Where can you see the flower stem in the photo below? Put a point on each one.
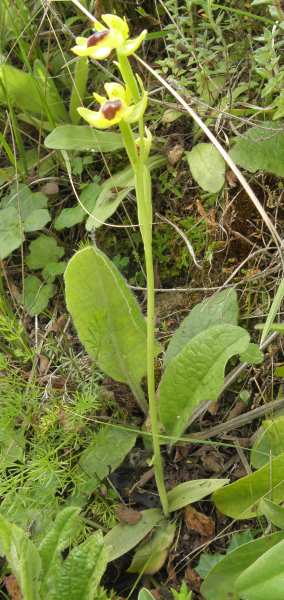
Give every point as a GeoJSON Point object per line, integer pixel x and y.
{"type": "Point", "coordinates": [144, 202]}
{"type": "Point", "coordinates": [144, 207]}
{"type": "Point", "coordinates": [128, 76]}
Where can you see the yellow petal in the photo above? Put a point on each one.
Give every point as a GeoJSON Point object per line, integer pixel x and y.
{"type": "Point", "coordinates": [116, 23]}
{"type": "Point", "coordinates": [132, 45]}
{"type": "Point", "coordinates": [100, 99]}
{"type": "Point", "coordinates": [81, 50]}
{"type": "Point", "coordinates": [133, 113]}
{"type": "Point", "coordinates": [115, 90]}
{"type": "Point", "coordinates": [99, 53]}
{"type": "Point", "coordinates": [96, 118]}
{"type": "Point", "coordinates": [98, 26]}
{"type": "Point", "coordinates": [81, 41]}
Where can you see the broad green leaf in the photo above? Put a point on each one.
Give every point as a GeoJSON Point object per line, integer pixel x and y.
{"type": "Point", "coordinates": [82, 570]}
{"type": "Point", "coordinates": [24, 200]}
{"type": "Point", "coordinates": [269, 442]}
{"type": "Point", "coordinates": [52, 270]}
{"type": "Point", "coordinates": [23, 558]}
{"type": "Point", "coordinates": [43, 250]}
{"type": "Point", "coordinates": [22, 210]}
{"type": "Point", "coordinates": [106, 315]}
{"type": "Point", "coordinates": [219, 308]}
{"type": "Point", "coordinates": [220, 582]}
{"type": "Point", "coordinates": [36, 295]}
{"type": "Point", "coordinates": [37, 220]}
{"type": "Point", "coordinates": [207, 562]}
{"type": "Point", "coordinates": [123, 537]}
{"type": "Point", "coordinates": [207, 167]}
{"type": "Point", "coordinates": [28, 93]}
{"type": "Point", "coordinates": [55, 541]}
{"type": "Point", "coordinates": [238, 539]}
{"type": "Point", "coordinates": [196, 374]}
{"type": "Point", "coordinates": [252, 355]}
{"type": "Point", "coordinates": [114, 190]}
{"type": "Point", "coordinates": [107, 451]}
{"type": "Point", "coordinates": [83, 138]}
{"type": "Point", "coordinates": [264, 577]}
{"type": "Point", "coordinates": [72, 216]}
{"type": "Point", "coordinates": [192, 491]}
{"type": "Point", "coordinates": [261, 149]}
{"type": "Point", "coordinates": [273, 512]}
{"type": "Point", "coordinates": [11, 234]}
{"type": "Point", "coordinates": [145, 595]}
{"type": "Point", "coordinates": [151, 555]}
{"type": "Point", "coordinates": [240, 500]}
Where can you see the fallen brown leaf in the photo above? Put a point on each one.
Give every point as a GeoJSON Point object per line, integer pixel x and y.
{"type": "Point", "coordinates": [198, 522]}
{"type": "Point", "coordinates": [193, 579]}
{"type": "Point", "coordinates": [175, 154]}
{"type": "Point", "coordinates": [127, 515]}
{"type": "Point", "coordinates": [43, 364]}
{"type": "Point", "coordinates": [12, 587]}
{"type": "Point", "coordinates": [212, 460]}
{"type": "Point", "coordinates": [50, 189]}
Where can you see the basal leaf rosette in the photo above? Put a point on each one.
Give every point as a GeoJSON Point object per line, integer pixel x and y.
{"type": "Point", "coordinates": [114, 108]}
{"type": "Point", "coordinates": [105, 39]}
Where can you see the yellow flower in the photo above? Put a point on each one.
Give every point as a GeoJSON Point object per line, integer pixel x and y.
{"type": "Point", "coordinates": [114, 108]}
{"type": "Point", "coordinates": [100, 44]}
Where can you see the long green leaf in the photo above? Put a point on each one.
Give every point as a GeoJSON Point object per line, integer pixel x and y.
{"type": "Point", "coordinates": [23, 558]}
{"type": "Point", "coordinates": [273, 311]}
{"type": "Point", "coordinates": [82, 571]}
{"type": "Point", "coordinates": [261, 149]}
{"type": "Point", "coordinates": [29, 93]}
{"type": "Point", "coordinates": [219, 308]}
{"type": "Point", "coordinates": [264, 577]}
{"type": "Point", "coordinates": [192, 491]}
{"type": "Point", "coordinates": [114, 190]}
{"type": "Point", "coordinates": [240, 500]}
{"type": "Point", "coordinates": [56, 540]}
{"type": "Point", "coordinates": [196, 374]}
{"type": "Point", "coordinates": [97, 460]}
{"type": "Point", "coordinates": [269, 442]}
{"type": "Point", "coordinates": [83, 138]}
{"type": "Point", "coordinates": [107, 316]}
{"type": "Point", "coordinates": [273, 512]}
{"type": "Point", "coordinates": [220, 582]}
{"type": "Point", "coordinates": [79, 88]}
{"type": "Point", "coordinates": [123, 537]}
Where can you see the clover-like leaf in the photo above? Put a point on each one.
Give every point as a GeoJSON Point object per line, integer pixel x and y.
{"type": "Point", "coordinates": [11, 234]}
{"type": "Point", "coordinates": [43, 250]}
{"type": "Point", "coordinates": [36, 295]}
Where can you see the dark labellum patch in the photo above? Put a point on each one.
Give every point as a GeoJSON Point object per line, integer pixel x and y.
{"type": "Point", "coordinates": [97, 37]}
{"type": "Point", "coordinates": [110, 109]}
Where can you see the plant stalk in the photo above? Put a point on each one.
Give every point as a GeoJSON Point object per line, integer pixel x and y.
{"type": "Point", "coordinates": [144, 208]}
{"type": "Point", "coordinates": [144, 202]}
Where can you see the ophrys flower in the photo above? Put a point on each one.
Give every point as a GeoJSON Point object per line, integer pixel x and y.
{"type": "Point", "coordinates": [116, 107]}
{"type": "Point", "coordinates": [115, 37]}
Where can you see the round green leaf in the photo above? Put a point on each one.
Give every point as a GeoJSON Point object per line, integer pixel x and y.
{"type": "Point", "coordinates": [207, 167]}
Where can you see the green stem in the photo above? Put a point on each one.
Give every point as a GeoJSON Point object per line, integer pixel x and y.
{"type": "Point", "coordinates": [144, 208]}
{"type": "Point", "coordinates": [129, 143]}
{"type": "Point", "coordinates": [143, 194]}
{"type": "Point", "coordinates": [128, 76]}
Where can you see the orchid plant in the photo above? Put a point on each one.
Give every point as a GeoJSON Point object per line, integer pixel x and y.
{"type": "Point", "coordinates": [125, 106]}
{"type": "Point", "coordinates": [112, 328]}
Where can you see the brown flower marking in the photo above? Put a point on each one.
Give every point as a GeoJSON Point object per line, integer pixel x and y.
{"type": "Point", "coordinates": [110, 108]}
{"type": "Point", "coordinates": [97, 37]}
